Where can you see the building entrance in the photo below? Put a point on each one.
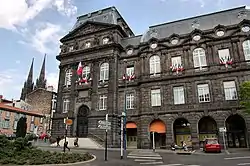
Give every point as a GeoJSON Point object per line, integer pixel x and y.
{"type": "Point", "coordinates": [82, 122]}
{"type": "Point", "coordinates": [236, 128]}
{"type": "Point", "coordinates": [159, 129]}
{"type": "Point", "coordinates": [182, 131]}
{"type": "Point", "coordinates": [131, 135]}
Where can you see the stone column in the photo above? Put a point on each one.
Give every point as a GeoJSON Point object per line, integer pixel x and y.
{"type": "Point", "coordinates": [235, 53]}
{"type": "Point", "coordinates": [240, 51]}
{"type": "Point", "coordinates": [210, 57]}
{"type": "Point", "coordinates": [194, 132]}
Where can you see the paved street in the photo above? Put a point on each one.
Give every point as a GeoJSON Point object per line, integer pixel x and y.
{"type": "Point", "coordinates": [148, 158]}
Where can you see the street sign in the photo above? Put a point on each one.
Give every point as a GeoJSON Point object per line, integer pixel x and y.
{"type": "Point", "coordinates": [223, 129]}
{"type": "Point", "coordinates": [103, 124]}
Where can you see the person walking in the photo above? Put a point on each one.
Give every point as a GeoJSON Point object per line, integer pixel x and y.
{"type": "Point", "coordinates": [58, 141]}
{"type": "Point", "coordinates": [76, 142]}
{"type": "Point", "coordinates": [66, 146]}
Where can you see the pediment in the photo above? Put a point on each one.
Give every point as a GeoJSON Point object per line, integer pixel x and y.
{"type": "Point", "coordinates": [87, 28]}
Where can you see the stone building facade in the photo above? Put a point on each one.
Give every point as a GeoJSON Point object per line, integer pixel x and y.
{"type": "Point", "coordinates": [181, 82]}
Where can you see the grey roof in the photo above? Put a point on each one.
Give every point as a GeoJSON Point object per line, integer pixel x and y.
{"type": "Point", "coordinates": [134, 41]}
{"type": "Point", "coordinates": [108, 15]}
{"type": "Point", "coordinates": [203, 22]}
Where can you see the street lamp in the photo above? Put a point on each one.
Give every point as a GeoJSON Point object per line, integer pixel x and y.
{"type": "Point", "coordinates": [125, 106]}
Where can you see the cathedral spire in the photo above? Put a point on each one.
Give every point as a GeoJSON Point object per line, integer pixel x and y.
{"type": "Point", "coordinates": [28, 84]}
{"type": "Point", "coordinates": [41, 81]}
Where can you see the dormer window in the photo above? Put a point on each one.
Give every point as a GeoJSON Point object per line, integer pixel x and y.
{"type": "Point", "coordinates": [174, 41]}
{"type": "Point", "coordinates": [245, 28]}
{"type": "Point", "coordinates": [130, 51]}
{"type": "Point", "coordinates": [220, 33]}
{"type": "Point", "coordinates": [153, 45]}
{"type": "Point", "coordinates": [196, 37]}
{"type": "Point", "coordinates": [105, 40]}
{"type": "Point", "coordinates": [87, 45]}
{"type": "Point", "coordinates": [71, 48]}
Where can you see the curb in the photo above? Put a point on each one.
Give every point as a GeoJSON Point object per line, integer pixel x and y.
{"type": "Point", "coordinates": [82, 162]}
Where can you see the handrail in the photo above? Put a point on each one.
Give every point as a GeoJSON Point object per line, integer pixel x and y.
{"type": "Point", "coordinates": [96, 137]}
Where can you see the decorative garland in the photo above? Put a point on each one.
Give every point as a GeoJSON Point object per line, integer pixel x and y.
{"type": "Point", "coordinates": [227, 61]}
{"type": "Point", "coordinates": [176, 68]}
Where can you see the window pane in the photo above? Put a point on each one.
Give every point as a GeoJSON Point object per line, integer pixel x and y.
{"type": "Point", "coordinates": [230, 90]}
{"type": "Point", "coordinates": [203, 93]}
{"type": "Point", "coordinates": [155, 66]}
{"type": "Point", "coordinates": [199, 57]}
{"type": "Point", "coordinates": [246, 49]}
{"type": "Point", "coordinates": [104, 71]}
{"type": "Point", "coordinates": [86, 72]}
{"type": "Point", "coordinates": [155, 97]}
{"type": "Point", "coordinates": [179, 95]}
{"type": "Point", "coordinates": [130, 71]}
{"type": "Point", "coordinates": [68, 76]}
{"type": "Point", "coordinates": [224, 55]}
{"type": "Point", "coordinates": [176, 61]}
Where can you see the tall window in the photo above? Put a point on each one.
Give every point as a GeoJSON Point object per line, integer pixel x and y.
{"type": "Point", "coordinates": [203, 93]}
{"type": "Point", "coordinates": [86, 72]}
{"type": "Point", "coordinates": [32, 118]}
{"type": "Point", "coordinates": [224, 55]}
{"type": "Point", "coordinates": [130, 70]}
{"type": "Point", "coordinates": [6, 124]}
{"type": "Point", "coordinates": [103, 102]}
{"type": "Point", "coordinates": [32, 126]}
{"type": "Point", "coordinates": [176, 61]}
{"type": "Point", "coordinates": [199, 58]}
{"type": "Point", "coordinates": [230, 90]}
{"type": "Point", "coordinates": [7, 114]}
{"type": "Point", "coordinates": [130, 101]}
{"type": "Point", "coordinates": [68, 75]}
{"type": "Point", "coordinates": [156, 97]}
{"type": "Point", "coordinates": [246, 49]}
{"type": "Point", "coordinates": [104, 72]}
{"type": "Point", "coordinates": [179, 95]}
{"type": "Point", "coordinates": [155, 65]}
{"type": "Point", "coordinates": [66, 105]}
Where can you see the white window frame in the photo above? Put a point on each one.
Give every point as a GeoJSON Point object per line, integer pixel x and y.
{"type": "Point", "coordinates": [155, 97]}
{"type": "Point", "coordinates": [105, 40]}
{"type": "Point", "coordinates": [104, 71]}
{"type": "Point", "coordinates": [130, 100]}
{"type": "Point", "coordinates": [68, 76]}
{"type": "Point", "coordinates": [175, 61]}
{"type": "Point", "coordinates": [7, 114]}
{"type": "Point", "coordinates": [32, 118]}
{"type": "Point", "coordinates": [85, 71]}
{"type": "Point", "coordinates": [87, 44]}
{"type": "Point", "coordinates": [179, 97]}
{"type": "Point", "coordinates": [203, 93]}
{"type": "Point", "coordinates": [155, 64]}
{"type": "Point", "coordinates": [224, 54]}
{"type": "Point", "coordinates": [199, 58]}
{"type": "Point", "coordinates": [246, 49]}
{"type": "Point", "coordinates": [103, 102]}
{"type": "Point", "coordinates": [130, 70]}
{"type": "Point", "coordinates": [32, 127]}
{"type": "Point", "coordinates": [66, 103]}
{"type": "Point", "coordinates": [230, 90]}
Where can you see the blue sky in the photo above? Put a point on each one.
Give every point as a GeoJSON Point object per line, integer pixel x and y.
{"type": "Point", "coordinates": [31, 28]}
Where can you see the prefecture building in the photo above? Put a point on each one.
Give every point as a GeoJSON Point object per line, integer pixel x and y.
{"type": "Point", "coordinates": [182, 78]}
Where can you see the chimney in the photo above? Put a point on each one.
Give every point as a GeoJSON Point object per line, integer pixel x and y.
{"type": "Point", "coordinates": [1, 98]}
{"type": "Point", "coordinates": [13, 102]}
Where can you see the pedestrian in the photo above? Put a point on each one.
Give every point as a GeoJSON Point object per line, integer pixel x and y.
{"type": "Point", "coordinates": [66, 146]}
{"type": "Point", "coordinates": [58, 141]}
{"type": "Point", "coordinates": [76, 142]}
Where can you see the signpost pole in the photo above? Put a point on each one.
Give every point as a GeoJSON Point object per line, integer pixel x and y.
{"type": "Point", "coordinates": [106, 138]}
{"type": "Point", "coordinates": [224, 141]}
{"type": "Point", "coordinates": [153, 141]}
{"type": "Point", "coordinates": [121, 137]}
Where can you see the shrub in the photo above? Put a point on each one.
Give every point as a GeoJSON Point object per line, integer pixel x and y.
{"type": "Point", "coordinates": [20, 152]}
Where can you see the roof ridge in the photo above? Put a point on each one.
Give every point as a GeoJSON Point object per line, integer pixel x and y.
{"type": "Point", "coordinates": [202, 15]}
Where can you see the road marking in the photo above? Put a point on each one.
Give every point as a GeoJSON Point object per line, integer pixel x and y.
{"type": "Point", "coordinates": [159, 162]}
{"type": "Point", "coordinates": [140, 160]}
{"type": "Point", "coordinates": [152, 155]}
{"type": "Point", "coordinates": [235, 158]}
{"type": "Point", "coordinates": [144, 157]}
{"type": "Point", "coordinates": [244, 164]}
{"type": "Point", "coordinates": [172, 165]}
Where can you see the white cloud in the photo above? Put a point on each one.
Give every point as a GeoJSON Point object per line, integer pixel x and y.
{"type": "Point", "coordinates": [52, 80]}
{"type": "Point", "coordinates": [11, 79]}
{"type": "Point", "coordinates": [18, 62]}
{"type": "Point", "coordinates": [15, 13]}
{"type": "Point", "coordinates": [45, 39]}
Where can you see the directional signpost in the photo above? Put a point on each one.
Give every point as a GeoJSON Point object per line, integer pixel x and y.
{"type": "Point", "coordinates": [106, 125]}
{"type": "Point", "coordinates": [223, 130]}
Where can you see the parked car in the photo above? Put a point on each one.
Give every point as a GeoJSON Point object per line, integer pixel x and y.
{"type": "Point", "coordinates": [211, 145]}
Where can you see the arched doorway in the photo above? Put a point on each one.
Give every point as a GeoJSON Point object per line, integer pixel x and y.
{"type": "Point", "coordinates": [182, 131]}
{"type": "Point", "coordinates": [159, 129]}
{"type": "Point", "coordinates": [131, 129]}
{"type": "Point", "coordinates": [207, 129]}
{"type": "Point", "coordinates": [236, 128]}
{"type": "Point", "coordinates": [82, 121]}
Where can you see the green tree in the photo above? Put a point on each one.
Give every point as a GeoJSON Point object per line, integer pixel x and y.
{"type": "Point", "coordinates": [21, 127]}
{"type": "Point", "coordinates": [245, 96]}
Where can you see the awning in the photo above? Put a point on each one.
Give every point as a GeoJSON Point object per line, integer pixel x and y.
{"type": "Point", "coordinates": [131, 125]}
{"type": "Point", "coordinates": [157, 126]}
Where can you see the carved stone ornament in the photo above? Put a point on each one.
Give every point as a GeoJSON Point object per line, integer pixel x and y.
{"type": "Point", "coordinates": [76, 45]}
{"type": "Point", "coordinates": [88, 29]}
{"type": "Point", "coordinates": [96, 40]}
{"type": "Point", "coordinates": [63, 48]}
{"type": "Point", "coordinates": [83, 99]}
